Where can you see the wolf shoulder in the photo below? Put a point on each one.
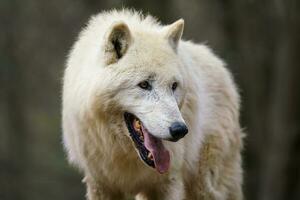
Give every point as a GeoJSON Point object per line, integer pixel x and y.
{"type": "Point", "coordinates": [200, 57]}
{"type": "Point", "coordinates": [201, 63]}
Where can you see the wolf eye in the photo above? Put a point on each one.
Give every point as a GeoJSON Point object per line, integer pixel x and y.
{"type": "Point", "coordinates": [145, 85]}
{"type": "Point", "coordinates": [174, 86]}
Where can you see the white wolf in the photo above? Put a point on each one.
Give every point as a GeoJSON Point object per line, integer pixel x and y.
{"type": "Point", "coordinates": [147, 114]}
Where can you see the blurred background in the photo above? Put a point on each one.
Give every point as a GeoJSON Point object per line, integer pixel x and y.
{"type": "Point", "coordinates": [259, 39]}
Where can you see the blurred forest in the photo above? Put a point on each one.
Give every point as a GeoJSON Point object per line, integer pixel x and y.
{"type": "Point", "coordinates": [259, 39]}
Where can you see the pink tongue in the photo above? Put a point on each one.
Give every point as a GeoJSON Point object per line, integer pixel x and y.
{"type": "Point", "coordinates": [161, 156]}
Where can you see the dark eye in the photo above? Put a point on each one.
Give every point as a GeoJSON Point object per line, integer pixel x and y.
{"type": "Point", "coordinates": [174, 86]}
{"type": "Point", "coordinates": [145, 85]}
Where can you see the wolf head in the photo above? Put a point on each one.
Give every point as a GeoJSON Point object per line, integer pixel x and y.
{"type": "Point", "coordinates": [148, 70]}
{"type": "Point", "coordinates": [134, 71]}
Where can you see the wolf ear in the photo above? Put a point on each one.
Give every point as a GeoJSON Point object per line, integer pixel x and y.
{"type": "Point", "coordinates": [116, 42]}
{"type": "Point", "coordinates": [174, 32]}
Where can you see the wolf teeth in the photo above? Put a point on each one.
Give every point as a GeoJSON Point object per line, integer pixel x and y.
{"type": "Point", "coordinates": [150, 156]}
{"type": "Point", "coordinates": [137, 124]}
{"type": "Point", "coordinates": [141, 138]}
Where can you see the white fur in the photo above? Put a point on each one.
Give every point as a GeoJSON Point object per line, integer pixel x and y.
{"type": "Point", "coordinates": [97, 91]}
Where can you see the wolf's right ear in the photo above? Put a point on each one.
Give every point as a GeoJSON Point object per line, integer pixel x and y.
{"type": "Point", "coordinates": [116, 42]}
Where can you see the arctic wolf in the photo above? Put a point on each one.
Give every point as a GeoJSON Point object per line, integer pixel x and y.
{"type": "Point", "coordinates": [149, 115]}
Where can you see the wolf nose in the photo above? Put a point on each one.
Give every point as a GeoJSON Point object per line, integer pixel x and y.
{"type": "Point", "coordinates": [178, 130]}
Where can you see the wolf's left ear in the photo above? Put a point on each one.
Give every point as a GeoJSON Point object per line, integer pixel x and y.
{"type": "Point", "coordinates": [174, 32]}
{"type": "Point", "coordinates": [116, 42]}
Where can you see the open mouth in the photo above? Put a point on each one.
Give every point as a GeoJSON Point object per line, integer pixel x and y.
{"type": "Point", "coordinates": [150, 149]}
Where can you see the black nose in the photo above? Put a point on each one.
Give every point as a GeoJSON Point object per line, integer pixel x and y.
{"type": "Point", "coordinates": [178, 130]}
